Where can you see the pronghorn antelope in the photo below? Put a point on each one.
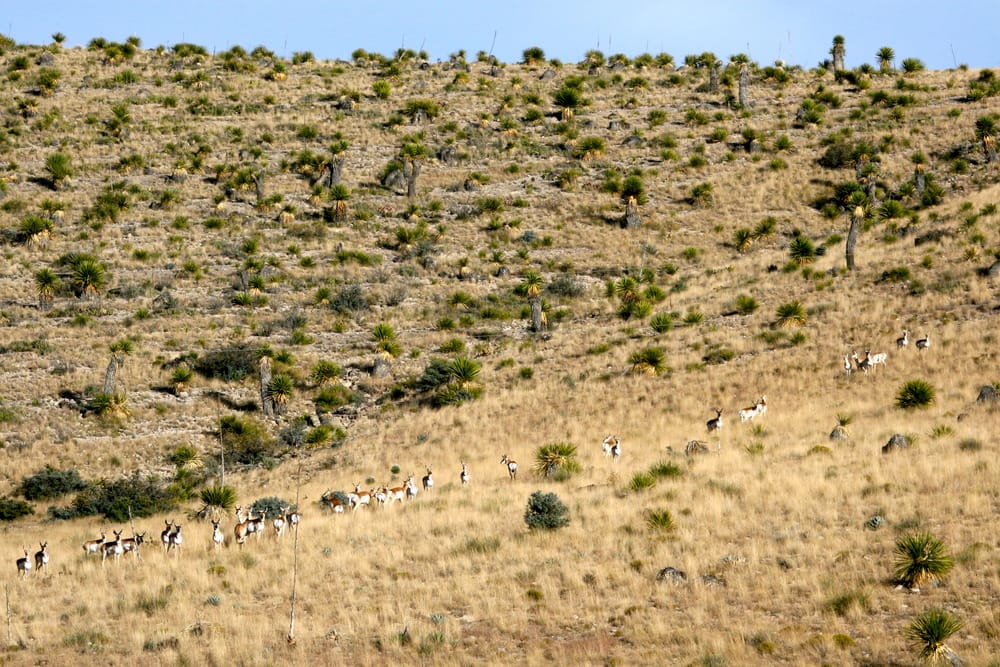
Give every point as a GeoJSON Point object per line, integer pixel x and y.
{"type": "Point", "coordinates": [329, 499]}
{"type": "Point", "coordinates": [133, 543]}
{"type": "Point", "coordinates": [428, 480]}
{"type": "Point", "coordinates": [903, 341]}
{"type": "Point", "coordinates": [242, 529]}
{"type": "Point", "coordinates": [396, 493]}
{"type": "Point", "coordinates": [411, 488]}
{"type": "Point", "coordinates": [616, 450]}
{"type": "Point", "coordinates": [24, 564]}
{"type": "Point", "coordinates": [292, 517]}
{"type": "Point", "coordinates": [465, 474]}
{"type": "Point", "coordinates": [848, 367]}
{"type": "Point", "coordinates": [762, 406]}
{"type": "Point", "coordinates": [42, 556]}
{"type": "Point", "coordinates": [511, 466]}
{"type": "Point", "coordinates": [359, 497]}
{"type": "Point", "coordinates": [878, 359]}
{"type": "Point", "coordinates": [257, 523]}
{"type": "Point", "coordinates": [862, 364]}
{"type": "Point", "coordinates": [924, 343]}
{"type": "Point", "coordinates": [715, 424]}
{"type": "Point", "coordinates": [279, 522]}
{"type": "Point", "coordinates": [113, 548]}
{"type": "Point", "coordinates": [165, 535]}
{"type": "Point", "coordinates": [382, 495]}
{"type": "Point", "coordinates": [217, 537]}
{"type": "Point", "coordinates": [175, 538]}
{"type": "Point", "coordinates": [747, 414]}
{"type": "Point", "coordinates": [93, 546]}
{"type": "Point", "coordinates": [606, 445]}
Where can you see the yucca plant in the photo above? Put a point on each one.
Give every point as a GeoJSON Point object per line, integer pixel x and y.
{"type": "Point", "coordinates": [47, 284]}
{"type": "Point", "coordinates": [385, 339]}
{"type": "Point", "coordinates": [463, 370]}
{"type": "Point", "coordinates": [280, 390]}
{"type": "Point", "coordinates": [660, 520]}
{"type": "Point", "coordinates": [802, 251]}
{"type": "Point", "coordinates": [324, 371]}
{"type": "Point", "coordinates": [921, 557]}
{"type": "Point", "coordinates": [216, 501]}
{"type": "Point", "coordinates": [743, 239]}
{"type": "Point", "coordinates": [650, 361]}
{"type": "Point", "coordinates": [746, 304]}
{"type": "Point", "coordinates": [557, 458]}
{"type": "Point", "coordinates": [885, 56]}
{"type": "Point", "coordinates": [641, 481]}
{"type": "Point", "coordinates": [792, 314]}
{"type": "Point", "coordinates": [915, 394]}
{"type": "Point", "coordinates": [929, 631]}
{"type": "Point", "coordinates": [662, 322]}
{"type": "Point", "coordinates": [59, 169]}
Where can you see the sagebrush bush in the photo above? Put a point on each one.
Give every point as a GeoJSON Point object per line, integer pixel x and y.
{"type": "Point", "coordinates": [546, 512]}
{"type": "Point", "coordinates": [12, 508]}
{"type": "Point", "coordinates": [137, 495]}
{"type": "Point", "coordinates": [50, 483]}
{"type": "Point", "coordinates": [271, 506]}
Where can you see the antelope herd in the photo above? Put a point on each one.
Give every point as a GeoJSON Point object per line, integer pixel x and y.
{"type": "Point", "coordinates": [251, 523]}
{"type": "Point", "coordinates": [870, 362]}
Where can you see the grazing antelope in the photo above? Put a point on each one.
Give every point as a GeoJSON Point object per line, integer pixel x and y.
{"type": "Point", "coordinates": [511, 466]}
{"type": "Point", "coordinates": [848, 367]}
{"type": "Point", "coordinates": [217, 537]}
{"type": "Point", "coordinates": [328, 499]}
{"type": "Point", "coordinates": [24, 564]}
{"type": "Point", "coordinates": [93, 546]}
{"type": "Point", "coordinates": [428, 480]}
{"type": "Point", "coordinates": [924, 343]}
{"type": "Point", "coordinates": [175, 538]}
{"type": "Point", "coordinates": [716, 423]}
{"type": "Point", "coordinates": [903, 341]}
{"type": "Point", "coordinates": [165, 535]}
{"type": "Point", "coordinates": [113, 548]}
{"type": "Point", "coordinates": [465, 474]}
{"type": "Point", "coordinates": [132, 544]}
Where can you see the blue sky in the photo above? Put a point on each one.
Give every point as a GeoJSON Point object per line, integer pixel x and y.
{"type": "Point", "coordinates": [942, 35]}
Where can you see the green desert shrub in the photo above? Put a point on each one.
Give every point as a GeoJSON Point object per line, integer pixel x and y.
{"type": "Point", "coordinates": [546, 511]}
{"type": "Point", "coordinates": [50, 483]}
{"type": "Point", "coordinates": [271, 506]}
{"type": "Point", "coordinates": [12, 508]}
{"type": "Point", "coordinates": [138, 495]}
{"type": "Point", "coordinates": [245, 440]}
{"type": "Point", "coordinates": [915, 394]}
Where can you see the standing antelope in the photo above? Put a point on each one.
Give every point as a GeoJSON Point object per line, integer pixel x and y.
{"type": "Point", "coordinates": [257, 523]}
{"type": "Point", "coordinates": [113, 548]}
{"type": "Point", "coordinates": [878, 359]}
{"type": "Point", "coordinates": [607, 444]}
{"type": "Point", "coordinates": [903, 341]}
{"type": "Point", "coordinates": [165, 535]}
{"type": "Point", "coordinates": [279, 523]}
{"type": "Point", "coordinates": [924, 343]}
{"type": "Point", "coordinates": [132, 544]}
{"type": "Point", "coordinates": [716, 423]}
{"type": "Point", "coordinates": [847, 364]}
{"type": "Point", "coordinates": [411, 487]}
{"type": "Point", "coordinates": [242, 529]}
{"type": "Point", "coordinates": [24, 564]}
{"type": "Point", "coordinates": [292, 517]}
{"type": "Point", "coordinates": [42, 557]}
{"type": "Point", "coordinates": [747, 414]}
{"type": "Point", "coordinates": [396, 493]}
{"type": "Point", "coordinates": [465, 474]}
{"type": "Point", "coordinates": [616, 450]}
{"type": "Point", "coordinates": [175, 538]}
{"type": "Point", "coordinates": [511, 466]}
{"type": "Point", "coordinates": [862, 364]}
{"type": "Point", "coordinates": [217, 537]}
{"type": "Point", "coordinates": [762, 406]}
{"type": "Point", "coordinates": [428, 480]}
{"type": "Point", "coordinates": [93, 546]}
{"type": "Point", "coordinates": [359, 497]}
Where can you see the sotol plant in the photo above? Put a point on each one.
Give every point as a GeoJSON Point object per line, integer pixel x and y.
{"type": "Point", "coordinates": [929, 632]}
{"type": "Point", "coordinates": [921, 557]}
{"type": "Point", "coordinates": [915, 394]}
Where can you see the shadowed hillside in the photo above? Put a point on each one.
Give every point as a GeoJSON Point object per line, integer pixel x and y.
{"type": "Point", "coordinates": [294, 277]}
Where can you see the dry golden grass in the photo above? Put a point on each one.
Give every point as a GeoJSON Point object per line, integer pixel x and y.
{"type": "Point", "coordinates": [454, 577]}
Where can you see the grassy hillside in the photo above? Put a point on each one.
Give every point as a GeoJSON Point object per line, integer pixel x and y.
{"type": "Point", "coordinates": [171, 219]}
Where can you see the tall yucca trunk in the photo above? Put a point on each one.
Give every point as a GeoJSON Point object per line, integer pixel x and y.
{"type": "Point", "coordinates": [852, 236]}
{"type": "Point", "coordinates": [744, 86]}
{"type": "Point", "coordinates": [266, 402]}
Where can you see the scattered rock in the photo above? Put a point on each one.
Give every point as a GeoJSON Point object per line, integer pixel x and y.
{"type": "Point", "coordinates": [897, 442]}
{"type": "Point", "coordinates": [713, 580]}
{"type": "Point", "coordinates": [672, 575]}
{"type": "Point", "coordinates": [696, 447]}
{"type": "Point", "coordinates": [994, 270]}
{"type": "Point", "coordinates": [875, 522]}
{"type": "Point", "coordinates": [987, 394]}
{"type": "Point", "coordinates": [839, 433]}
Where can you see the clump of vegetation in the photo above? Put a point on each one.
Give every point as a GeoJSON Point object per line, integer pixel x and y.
{"type": "Point", "coordinates": [929, 631]}
{"type": "Point", "coordinates": [50, 483]}
{"type": "Point", "coordinates": [136, 495]}
{"type": "Point", "coordinates": [546, 512]}
{"type": "Point", "coordinates": [245, 440]}
{"type": "Point", "coordinates": [557, 460]}
{"type": "Point", "coordinates": [12, 509]}
{"type": "Point", "coordinates": [921, 557]}
{"type": "Point", "coordinates": [915, 394]}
